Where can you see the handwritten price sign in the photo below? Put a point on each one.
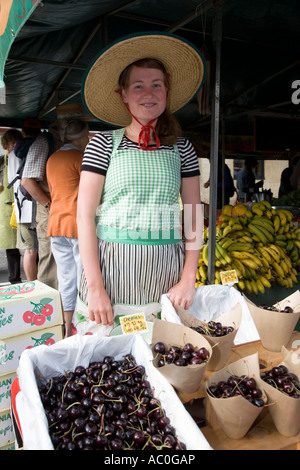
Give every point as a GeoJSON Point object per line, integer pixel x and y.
{"type": "Point", "coordinates": [229, 277]}
{"type": "Point", "coordinates": [133, 323]}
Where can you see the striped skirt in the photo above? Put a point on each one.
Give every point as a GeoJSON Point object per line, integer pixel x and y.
{"type": "Point", "coordinates": [137, 274]}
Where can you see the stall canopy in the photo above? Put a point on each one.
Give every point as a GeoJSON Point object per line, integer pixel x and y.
{"type": "Point", "coordinates": [46, 46]}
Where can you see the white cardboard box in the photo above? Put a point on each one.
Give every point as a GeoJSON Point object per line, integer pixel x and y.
{"type": "Point", "coordinates": [12, 348]}
{"type": "Point", "coordinates": [7, 434]}
{"type": "Point", "coordinates": [5, 386]}
{"type": "Point", "coordinates": [28, 306]}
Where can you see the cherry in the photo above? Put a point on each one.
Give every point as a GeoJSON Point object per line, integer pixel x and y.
{"type": "Point", "coordinates": [47, 310]}
{"type": "Point", "coordinates": [39, 320]}
{"type": "Point", "coordinates": [28, 316]}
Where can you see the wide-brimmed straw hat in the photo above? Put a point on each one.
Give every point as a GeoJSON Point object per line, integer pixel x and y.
{"type": "Point", "coordinates": [183, 62]}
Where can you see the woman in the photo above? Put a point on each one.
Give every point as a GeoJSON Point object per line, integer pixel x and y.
{"type": "Point", "coordinates": [137, 173]}
{"type": "Point", "coordinates": [63, 174]}
{"type": "Point", "coordinates": [8, 235]}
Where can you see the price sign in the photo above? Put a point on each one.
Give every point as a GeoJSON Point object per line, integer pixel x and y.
{"type": "Point", "coordinates": [135, 323]}
{"type": "Point", "coordinates": [229, 277]}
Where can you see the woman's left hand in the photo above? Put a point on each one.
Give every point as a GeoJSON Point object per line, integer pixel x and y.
{"type": "Point", "coordinates": [181, 295]}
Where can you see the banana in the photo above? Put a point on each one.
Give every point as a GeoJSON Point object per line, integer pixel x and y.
{"type": "Point", "coordinates": [284, 266]}
{"type": "Point", "coordinates": [223, 253]}
{"type": "Point", "coordinates": [258, 208]}
{"type": "Point", "coordinates": [265, 282]}
{"type": "Point", "coordinates": [257, 211]}
{"type": "Point", "coordinates": [260, 286]}
{"type": "Point", "coordinates": [278, 269]}
{"type": "Point", "coordinates": [250, 263]}
{"type": "Point", "coordinates": [226, 242]}
{"type": "Point", "coordinates": [288, 214]}
{"type": "Point", "coordinates": [239, 246]}
{"type": "Point", "coordinates": [239, 267]}
{"type": "Point", "coordinates": [265, 223]}
{"type": "Point", "coordinates": [254, 287]}
{"type": "Point", "coordinates": [274, 255]}
{"type": "Point", "coordinates": [264, 230]}
{"type": "Point", "coordinates": [242, 285]}
{"type": "Point", "coordinates": [276, 248]}
{"type": "Point", "coordinates": [227, 230]}
{"type": "Point", "coordinates": [248, 286]}
{"type": "Point", "coordinates": [203, 273]}
{"type": "Point", "coordinates": [205, 254]}
{"type": "Point", "coordinates": [256, 231]}
{"type": "Point", "coordinates": [282, 216]}
{"type": "Point", "coordinates": [276, 222]}
{"type": "Point", "coordinates": [265, 254]}
{"type": "Point", "coordinates": [267, 204]}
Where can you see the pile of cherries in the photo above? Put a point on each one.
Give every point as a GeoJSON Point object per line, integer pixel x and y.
{"type": "Point", "coordinates": [272, 308]}
{"type": "Point", "coordinates": [107, 406]}
{"type": "Point", "coordinates": [180, 356]}
{"type": "Point", "coordinates": [279, 377]}
{"type": "Point", "coordinates": [244, 386]}
{"type": "Point", "coordinates": [212, 328]}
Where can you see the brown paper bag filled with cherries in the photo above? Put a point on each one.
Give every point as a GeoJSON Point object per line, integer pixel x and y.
{"type": "Point", "coordinates": [282, 387]}
{"type": "Point", "coordinates": [236, 396]}
{"type": "Point", "coordinates": [275, 324]}
{"type": "Point", "coordinates": [223, 341]}
{"type": "Point", "coordinates": [169, 342]}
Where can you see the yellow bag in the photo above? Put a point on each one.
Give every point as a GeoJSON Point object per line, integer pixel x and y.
{"type": "Point", "coordinates": [13, 220]}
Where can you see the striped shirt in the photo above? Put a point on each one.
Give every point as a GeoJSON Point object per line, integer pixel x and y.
{"type": "Point", "coordinates": [98, 152]}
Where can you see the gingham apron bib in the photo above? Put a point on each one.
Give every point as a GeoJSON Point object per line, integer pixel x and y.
{"type": "Point", "coordinates": [138, 225]}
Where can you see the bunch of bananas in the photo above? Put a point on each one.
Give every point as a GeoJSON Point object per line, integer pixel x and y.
{"type": "Point", "coordinates": [260, 243]}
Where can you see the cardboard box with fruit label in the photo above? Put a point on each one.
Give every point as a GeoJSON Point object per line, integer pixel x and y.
{"type": "Point", "coordinates": [5, 386]}
{"type": "Point", "coordinates": [7, 435]}
{"type": "Point", "coordinates": [28, 306]}
{"type": "Point", "coordinates": [12, 348]}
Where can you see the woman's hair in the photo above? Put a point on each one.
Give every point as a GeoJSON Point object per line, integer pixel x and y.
{"type": "Point", "coordinates": [12, 135]}
{"type": "Point", "coordinates": [75, 129]}
{"type": "Point", "coordinates": [167, 127]}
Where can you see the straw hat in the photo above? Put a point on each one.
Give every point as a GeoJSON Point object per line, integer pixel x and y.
{"type": "Point", "coordinates": [183, 62]}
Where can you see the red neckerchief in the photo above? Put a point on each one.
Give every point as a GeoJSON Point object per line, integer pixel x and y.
{"type": "Point", "coordinates": [145, 134]}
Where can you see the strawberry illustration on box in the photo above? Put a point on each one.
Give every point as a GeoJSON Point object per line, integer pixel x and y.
{"type": "Point", "coordinates": [28, 306]}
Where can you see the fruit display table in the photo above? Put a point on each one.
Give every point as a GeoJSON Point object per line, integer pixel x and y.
{"type": "Point", "coordinates": [263, 434]}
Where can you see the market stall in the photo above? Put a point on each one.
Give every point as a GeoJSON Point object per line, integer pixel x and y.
{"type": "Point", "coordinates": [51, 373]}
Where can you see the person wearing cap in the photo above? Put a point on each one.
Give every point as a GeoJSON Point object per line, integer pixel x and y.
{"type": "Point", "coordinates": [63, 174]}
{"type": "Point", "coordinates": [131, 177]}
{"type": "Point", "coordinates": [8, 239]}
{"type": "Point", "coordinates": [35, 183]}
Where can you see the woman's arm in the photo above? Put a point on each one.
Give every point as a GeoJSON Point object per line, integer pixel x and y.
{"type": "Point", "coordinates": [182, 293]}
{"type": "Point", "coordinates": [89, 196]}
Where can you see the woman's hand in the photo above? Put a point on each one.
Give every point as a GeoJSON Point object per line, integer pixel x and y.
{"type": "Point", "coordinates": [182, 294]}
{"type": "Point", "coordinates": [100, 308]}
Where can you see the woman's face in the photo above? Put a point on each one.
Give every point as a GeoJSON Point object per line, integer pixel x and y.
{"type": "Point", "coordinates": [146, 93]}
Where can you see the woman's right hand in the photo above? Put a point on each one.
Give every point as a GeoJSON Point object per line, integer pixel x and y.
{"type": "Point", "coordinates": [100, 308]}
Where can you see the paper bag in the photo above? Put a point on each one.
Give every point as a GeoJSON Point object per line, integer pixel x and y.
{"type": "Point", "coordinates": [185, 379]}
{"type": "Point", "coordinates": [221, 346]}
{"type": "Point", "coordinates": [275, 328]}
{"type": "Point", "coordinates": [236, 414]}
{"type": "Point", "coordinates": [285, 410]}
